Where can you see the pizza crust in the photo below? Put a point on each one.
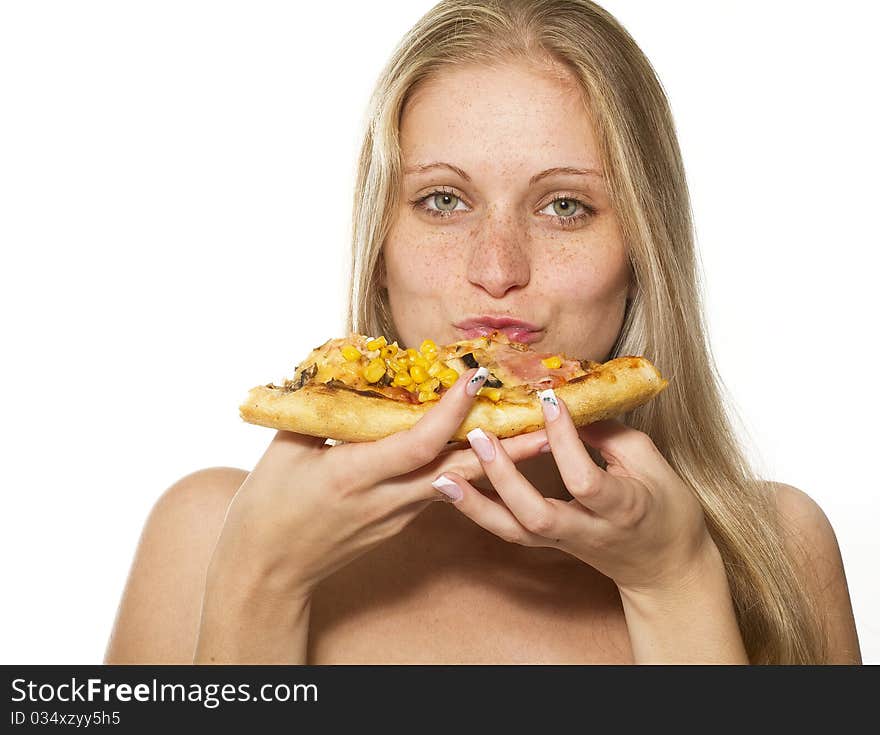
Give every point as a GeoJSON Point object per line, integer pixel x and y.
{"type": "Point", "coordinates": [613, 388]}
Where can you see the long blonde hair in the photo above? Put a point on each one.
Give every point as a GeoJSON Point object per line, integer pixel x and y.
{"type": "Point", "coordinates": [664, 321]}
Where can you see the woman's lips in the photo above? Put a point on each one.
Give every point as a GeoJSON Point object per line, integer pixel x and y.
{"type": "Point", "coordinates": [514, 334]}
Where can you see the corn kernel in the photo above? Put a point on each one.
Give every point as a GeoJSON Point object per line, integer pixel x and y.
{"type": "Point", "coordinates": [377, 344]}
{"type": "Point", "coordinates": [397, 366]}
{"type": "Point", "coordinates": [350, 352]}
{"type": "Point", "coordinates": [411, 355]}
{"type": "Point", "coordinates": [428, 395]}
{"type": "Point", "coordinates": [431, 384]}
{"type": "Point", "coordinates": [375, 370]}
{"type": "Point", "coordinates": [447, 377]}
{"type": "Point", "coordinates": [493, 394]}
{"type": "Point", "coordinates": [552, 362]}
{"type": "Point", "coordinates": [428, 346]}
{"type": "Point", "coordinates": [436, 368]}
{"type": "Point", "coordinates": [418, 373]}
{"type": "Point", "coordinates": [402, 379]}
{"type": "Point", "coordinates": [389, 351]}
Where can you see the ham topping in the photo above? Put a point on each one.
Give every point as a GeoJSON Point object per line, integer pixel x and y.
{"type": "Point", "coordinates": [527, 368]}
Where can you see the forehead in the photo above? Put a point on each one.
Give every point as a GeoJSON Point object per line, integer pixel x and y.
{"type": "Point", "coordinates": [516, 114]}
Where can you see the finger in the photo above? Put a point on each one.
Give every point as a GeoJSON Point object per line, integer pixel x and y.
{"type": "Point", "coordinates": [528, 506]}
{"type": "Point", "coordinates": [519, 447]}
{"type": "Point", "coordinates": [588, 483]}
{"type": "Point", "coordinates": [465, 462]}
{"type": "Point", "coordinates": [405, 451]}
{"type": "Point", "coordinates": [486, 513]}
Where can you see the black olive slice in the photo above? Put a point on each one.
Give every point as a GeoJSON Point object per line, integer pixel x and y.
{"type": "Point", "coordinates": [305, 376]}
{"type": "Point", "coordinates": [493, 382]}
{"type": "Point", "coordinates": [471, 362]}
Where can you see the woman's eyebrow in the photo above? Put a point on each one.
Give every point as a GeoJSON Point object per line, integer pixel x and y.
{"type": "Point", "coordinates": [420, 167]}
{"type": "Point", "coordinates": [565, 170]}
{"type": "Point", "coordinates": [570, 170]}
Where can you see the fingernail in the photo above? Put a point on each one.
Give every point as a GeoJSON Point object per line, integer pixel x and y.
{"type": "Point", "coordinates": [482, 444]}
{"type": "Point", "coordinates": [476, 382]}
{"type": "Point", "coordinates": [549, 403]}
{"type": "Point", "coordinates": [448, 488]}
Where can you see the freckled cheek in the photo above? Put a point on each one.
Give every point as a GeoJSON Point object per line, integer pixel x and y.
{"type": "Point", "coordinates": [420, 261]}
{"type": "Point", "coordinates": [582, 273]}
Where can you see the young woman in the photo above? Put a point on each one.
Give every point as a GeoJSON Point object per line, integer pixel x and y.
{"type": "Point", "coordinates": [521, 162]}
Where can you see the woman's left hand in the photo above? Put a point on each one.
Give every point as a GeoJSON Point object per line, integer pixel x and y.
{"type": "Point", "coordinates": [635, 521]}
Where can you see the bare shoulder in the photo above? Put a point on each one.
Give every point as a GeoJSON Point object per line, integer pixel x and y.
{"type": "Point", "coordinates": [813, 544]}
{"type": "Point", "coordinates": [203, 491]}
{"type": "Point", "coordinates": [808, 531]}
{"type": "Point", "coordinates": [157, 620]}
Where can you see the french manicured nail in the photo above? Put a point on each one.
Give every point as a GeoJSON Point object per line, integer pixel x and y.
{"type": "Point", "coordinates": [482, 444]}
{"type": "Point", "coordinates": [448, 488]}
{"type": "Point", "coordinates": [476, 382]}
{"type": "Point", "coordinates": [549, 403]}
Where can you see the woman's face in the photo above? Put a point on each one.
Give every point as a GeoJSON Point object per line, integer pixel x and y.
{"type": "Point", "coordinates": [503, 212]}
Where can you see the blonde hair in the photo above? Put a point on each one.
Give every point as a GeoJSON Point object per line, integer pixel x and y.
{"type": "Point", "coordinates": [664, 321]}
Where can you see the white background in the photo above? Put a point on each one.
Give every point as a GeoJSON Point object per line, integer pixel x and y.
{"type": "Point", "coordinates": [175, 186]}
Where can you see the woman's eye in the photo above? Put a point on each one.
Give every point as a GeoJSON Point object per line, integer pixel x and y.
{"type": "Point", "coordinates": [563, 207]}
{"type": "Point", "coordinates": [443, 202]}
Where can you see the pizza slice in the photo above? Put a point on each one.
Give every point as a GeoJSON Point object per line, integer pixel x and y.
{"type": "Point", "coordinates": [359, 388]}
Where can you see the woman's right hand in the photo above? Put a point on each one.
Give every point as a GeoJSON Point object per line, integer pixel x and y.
{"type": "Point", "coordinates": [308, 509]}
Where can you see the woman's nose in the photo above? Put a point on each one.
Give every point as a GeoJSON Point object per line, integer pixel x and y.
{"type": "Point", "coordinates": [499, 255]}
